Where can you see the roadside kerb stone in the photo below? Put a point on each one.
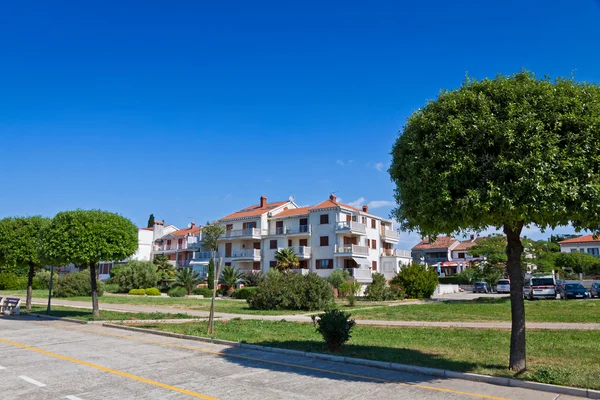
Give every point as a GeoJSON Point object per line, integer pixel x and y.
{"type": "Point", "coordinates": [494, 380]}
{"type": "Point", "coordinates": [75, 321]}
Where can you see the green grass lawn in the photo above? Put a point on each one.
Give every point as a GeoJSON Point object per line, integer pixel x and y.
{"type": "Point", "coordinates": [487, 310]}
{"type": "Point", "coordinates": [86, 315]}
{"type": "Point", "coordinates": [557, 357]}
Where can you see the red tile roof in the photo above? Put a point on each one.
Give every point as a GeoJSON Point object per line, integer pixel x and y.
{"type": "Point", "coordinates": [467, 244]}
{"type": "Point", "coordinates": [293, 211]}
{"type": "Point", "coordinates": [189, 231]}
{"type": "Point", "coordinates": [581, 239]}
{"type": "Point", "coordinates": [329, 204]}
{"type": "Point", "coordinates": [255, 210]}
{"type": "Point", "coordinates": [442, 242]}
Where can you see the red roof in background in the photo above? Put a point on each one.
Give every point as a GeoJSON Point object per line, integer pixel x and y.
{"type": "Point", "coordinates": [329, 203]}
{"type": "Point", "coordinates": [293, 211]}
{"type": "Point", "coordinates": [189, 231]}
{"type": "Point", "coordinates": [467, 244]}
{"type": "Point", "coordinates": [255, 210]}
{"type": "Point", "coordinates": [442, 242]}
{"type": "Point", "coordinates": [581, 239]}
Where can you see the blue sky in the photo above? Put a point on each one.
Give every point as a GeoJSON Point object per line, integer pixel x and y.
{"type": "Point", "coordinates": [191, 110]}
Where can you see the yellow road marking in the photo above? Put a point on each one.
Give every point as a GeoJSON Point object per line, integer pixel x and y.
{"type": "Point", "coordinates": [220, 353]}
{"type": "Point", "coordinates": [112, 371]}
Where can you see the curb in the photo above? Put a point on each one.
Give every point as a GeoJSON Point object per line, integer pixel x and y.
{"type": "Point", "coordinates": [494, 380]}
{"type": "Point", "coordinates": [75, 321]}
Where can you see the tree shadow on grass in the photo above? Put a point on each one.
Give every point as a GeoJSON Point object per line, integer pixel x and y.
{"type": "Point", "coordinates": [279, 362]}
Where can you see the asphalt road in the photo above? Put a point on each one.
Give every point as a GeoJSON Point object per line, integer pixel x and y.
{"type": "Point", "coordinates": [59, 360]}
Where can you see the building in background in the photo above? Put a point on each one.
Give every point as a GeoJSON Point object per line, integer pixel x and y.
{"type": "Point", "coordinates": [582, 244]}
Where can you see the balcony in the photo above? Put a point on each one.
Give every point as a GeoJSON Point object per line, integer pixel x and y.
{"type": "Point", "coordinates": [435, 260]}
{"type": "Point", "coordinates": [352, 249]}
{"type": "Point", "coordinates": [303, 252]}
{"type": "Point", "coordinates": [245, 255]}
{"type": "Point", "coordinates": [204, 255]}
{"type": "Point", "coordinates": [389, 235]}
{"type": "Point", "coordinates": [360, 274]}
{"type": "Point", "coordinates": [248, 233]}
{"type": "Point", "coordinates": [172, 247]}
{"type": "Point", "coordinates": [395, 253]}
{"type": "Point", "coordinates": [292, 230]}
{"type": "Point", "coordinates": [352, 227]}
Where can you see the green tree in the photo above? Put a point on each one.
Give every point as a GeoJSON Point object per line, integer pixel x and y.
{"type": "Point", "coordinates": [85, 237]}
{"type": "Point", "coordinates": [338, 276]}
{"type": "Point", "coordinates": [286, 259]}
{"type": "Point", "coordinates": [211, 274]}
{"type": "Point", "coordinates": [188, 279]}
{"type": "Point", "coordinates": [576, 262]}
{"type": "Point", "coordinates": [21, 246]}
{"type": "Point", "coordinates": [151, 221]}
{"type": "Point", "coordinates": [506, 152]}
{"type": "Point", "coordinates": [136, 275]}
{"type": "Point", "coordinates": [164, 269]}
{"type": "Point", "coordinates": [416, 281]}
{"type": "Point", "coordinates": [231, 277]}
{"type": "Point", "coordinates": [492, 265]}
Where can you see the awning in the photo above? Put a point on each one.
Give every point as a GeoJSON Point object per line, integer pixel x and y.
{"type": "Point", "coordinates": [362, 262]}
{"type": "Point", "coordinates": [198, 262]}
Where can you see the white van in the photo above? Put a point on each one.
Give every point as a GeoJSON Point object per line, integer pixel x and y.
{"type": "Point", "coordinates": [503, 286]}
{"type": "Point", "coordinates": [543, 286]}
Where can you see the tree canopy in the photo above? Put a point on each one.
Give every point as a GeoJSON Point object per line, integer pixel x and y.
{"type": "Point", "coordinates": [211, 233]}
{"type": "Point", "coordinates": [506, 152]}
{"type": "Point", "coordinates": [151, 221]}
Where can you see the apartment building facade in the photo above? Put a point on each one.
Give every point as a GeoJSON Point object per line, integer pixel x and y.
{"type": "Point", "coordinates": [583, 244]}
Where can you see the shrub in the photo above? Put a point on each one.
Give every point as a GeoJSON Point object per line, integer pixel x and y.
{"type": "Point", "coordinates": [338, 277]}
{"type": "Point", "coordinates": [111, 287]}
{"type": "Point", "coordinates": [245, 292]}
{"type": "Point", "coordinates": [281, 291]}
{"type": "Point", "coordinates": [378, 289]}
{"type": "Point", "coordinates": [177, 292]}
{"type": "Point", "coordinates": [351, 288]}
{"type": "Point", "coordinates": [211, 274]}
{"type": "Point", "coordinates": [417, 281]}
{"type": "Point", "coordinates": [135, 275]}
{"type": "Point", "coordinates": [43, 278]}
{"type": "Point", "coordinates": [137, 292]}
{"type": "Point", "coordinates": [152, 291]}
{"type": "Point", "coordinates": [76, 284]}
{"type": "Point", "coordinates": [254, 278]}
{"type": "Point", "coordinates": [335, 326]}
{"type": "Point", "coordinates": [10, 281]}
{"type": "Point", "coordinates": [206, 292]}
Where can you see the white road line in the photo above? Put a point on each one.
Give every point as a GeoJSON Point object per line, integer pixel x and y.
{"type": "Point", "coordinates": [72, 398]}
{"type": "Point", "coordinates": [1, 367]}
{"type": "Point", "coordinates": [28, 379]}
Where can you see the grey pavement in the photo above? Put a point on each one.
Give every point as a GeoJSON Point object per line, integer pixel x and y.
{"type": "Point", "coordinates": [306, 318]}
{"type": "Point", "coordinates": [58, 360]}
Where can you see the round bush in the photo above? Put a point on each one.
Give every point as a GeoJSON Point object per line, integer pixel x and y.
{"type": "Point", "coordinates": [177, 292]}
{"type": "Point", "coordinates": [135, 275]}
{"type": "Point", "coordinates": [138, 292]}
{"type": "Point", "coordinates": [152, 292]}
{"type": "Point", "coordinates": [245, 292]}
{"type": "Point", "coordinates": [76, 284]}
{"type": "Point", "coordinates": [335, 327]}
{"type": "Point", "coordinates": [416, 281]}
{"type": "Point", "coordinates": [10, 281]}
{"type": "Point", "coordinates": [206, 292]}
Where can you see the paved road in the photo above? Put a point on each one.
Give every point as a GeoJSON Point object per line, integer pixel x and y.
{"type": "Point", "coordinates": [306, 318]}
{"type": "Point", "coordinates": [58, 360]}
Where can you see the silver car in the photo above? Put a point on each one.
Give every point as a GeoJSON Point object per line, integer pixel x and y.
{"type": "Point", "coordinates": [503, 286]}
{"type": "Point", "coordinates": [543, 287]}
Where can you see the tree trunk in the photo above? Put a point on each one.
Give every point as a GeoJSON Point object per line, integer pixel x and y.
{"type": "Point", "coordinates": [29, 286]}
{"type": "Point", "coordinates": [95, 308]}
{"type": "Point", "coordinates": [514, 250]}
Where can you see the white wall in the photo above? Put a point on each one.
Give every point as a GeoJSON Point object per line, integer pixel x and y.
{"type": "Point", "coordinates": [144, 250]}
{"type": "Point", "coordinates": [568, 247]}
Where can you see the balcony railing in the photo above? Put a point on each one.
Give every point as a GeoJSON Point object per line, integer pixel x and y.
{"type": "Point", "coordinates": [360, 273]}
{"type": "Point", "coordinates": [351, 226]}
{"type": "Point", "coordinates": [353, 249]}
{"type": "Point", "coordinates": [291, 230]}
{"type": "Point", "coordinates": [236, 233]}
{"type": "Point", "coordinates": [396, 253]}
{"type": "Point", "coordinates": [169, 247]}
{"type": "Point", "coordinates": [390, 235]}
{"type": "Point", "coordinates": [303, 252]}
{"type": "Point", "coordinates": [435, 260]}
{"type": "Point", "coordinates": [246, 253]}
{"type": "Point", "coordinates": [204, 255]}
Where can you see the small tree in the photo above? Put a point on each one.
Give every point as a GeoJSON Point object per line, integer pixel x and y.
{"type": "Point", "coordinates": [505, 153]}
{"type": "Point", "coordinates": [85, 237]}
{"type": "Point", "coordinates": [136, 275]}
{"type": "Point", "coordinates": [416, 281]}
{"type": "Point", "coordinates": [188, 279]}
{"type": "Point", "coordinates": [21, 246]}
{"type": "Point", "coordinates": [151, 221]}
{"type": "Point", "coordinates": [211, 274]}
{"type": "Point", "coordinates": [286, 259]}
{"type": "Point", "coordinates": [211, 233]}
{"type": "Point", "coordinates": [335, 326]}
{"type": "Point", "coordinates": [338, 276]}
{"type": "Point", "coordinates": [164, 269]}
{"type": "Point", "coordinates": [231, 277]}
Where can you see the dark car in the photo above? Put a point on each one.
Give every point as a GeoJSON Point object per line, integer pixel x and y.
{"type": "Point", "coordinates": [572, 291]}
{"type": "Point", "coordinates": [481, 287]}
{"type": "Point", "coordinates": [595, 290]}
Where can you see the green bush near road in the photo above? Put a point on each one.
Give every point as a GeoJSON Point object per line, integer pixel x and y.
{"type": "Point", "coordinates": [43, 279]}
{"type": "Point", "coordinates": [378, 290]}
{"type": "Point", "coordinates": [335, 327]}
{"type": "Point", "coordinates": [177, 292]}
{"type": "Point", "coordinates": [11, 281]}
{"type": "Point", "coordinates": [152, 291]}
{"type": "Point", "coordinates": [206, 292]}
{"type": "Point", "coordinates": [135, 275]}
{"type": "Point", "coordinates": [245, 292]}
{"type": "Point", "coordinates": [138, 292]}
{"type": "Point", "coordinates": [76, 284]}
{"type": "Point", "coordinates": [416, 281]}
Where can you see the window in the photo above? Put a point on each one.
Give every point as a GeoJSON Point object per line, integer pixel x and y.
{"type": "Point", "coordinates": [289, 242]}
{"type": "Point", "coordinates": [374, 244]}
{"type": "Point", "coordinates": [593, 251]}
{"type": "Point", "coordinates": [461, 255]}
{"type": "Point", "coordinates": [273, 264]}
{"type": "Point", "coordinates": [249, 225]}
{"type": "Point", "coordinates": [256, 245]}
{"type": "Point", "coordinates": [303, 242]}
{"type": "Point", "coordinates": [373, 223]}
{"type": "Point", "coordinates": [364, 220]}
{"type": "Point", "coordinates": [228, 264]}
{"type": "Point", "coordinates": [350, 263]}
{"type": "Point", "coordinates": [369, 243]}
{"type": "Point", "coordinates": [273, 244]}
{"type": "Point", "coordinates": [573, 250]}
{"type": "Point", "coordinates": [324, 219]}
{"type": "Point", "coordinates": [229, 227]}
{"type": "Point", "coordinates": [324, 264]}
{"type": "Point", "coordinates": [256, 266]}
{"type": "Point", "coordinates": [324, 240]}
{"type": "Point", "coordinates": [374, 265]}
{"type": "Point", "coordinates": [582, 250]}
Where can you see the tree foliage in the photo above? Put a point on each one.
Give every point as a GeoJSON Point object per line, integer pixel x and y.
{"type": "Point", "coordinates": [416, 281]}
{"type": "Point", "coordinates": [338, 276]}
{"type": "Point", "coordinates": [135, 275]}
{"type": "Point", "coordinates": [164, 270]}
{"type": "Point", "coordinates": [188, 279]}
{"type": "Point", "coordinates": [506, 153]}
{"type": "Point", "coordinates": [151, 221]}
{"type": "Point", "coordinates": [231, 277]}
{"type": "Point", "coordinates": [211, 274]}
{"type": "Point", "coordinates": [286, 259]}
{"type": "Point", "coordinates": [85, 237]}
{"type": "Point", "coordinates": [211, 233]}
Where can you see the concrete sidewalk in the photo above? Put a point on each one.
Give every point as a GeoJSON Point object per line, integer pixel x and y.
{"type": "Point", "coordinates": [307, 319]}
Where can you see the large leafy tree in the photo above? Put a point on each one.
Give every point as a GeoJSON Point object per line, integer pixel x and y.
{"type": "Point", "coordinates": [85, 237]}
{"type": "Point", "coordinates": [506, 153]}
{"type": "Point", "coordinates": [21, 245]}
{"type": "Point", "coordinates": [286, 258]}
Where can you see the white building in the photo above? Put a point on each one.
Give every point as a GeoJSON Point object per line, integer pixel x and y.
{"type": "Point", "coordinates": [582, 244]}
{"type": "Point", "coordinates": [326, 236]}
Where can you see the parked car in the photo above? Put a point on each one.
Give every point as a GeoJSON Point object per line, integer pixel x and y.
{"type": "Point", "coordinates": [503, 286]}
{"type": "Point", "coordinates": [526, 289]}
{"type": "Point", "coordinates": [572, 291]}
{"type": "Point", "coordinates": [481, 287]}
{"type": "Point", "coordinates": [542, 287]}
{"type": "Point", "coordinates": [595, 290]}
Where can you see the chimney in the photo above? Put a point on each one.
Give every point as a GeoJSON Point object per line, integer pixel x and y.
{"type": "Point", "coordinates": [263, 201]}
{"type": "Point", "coordinates": [333, 198]}
{"type": "Point", "coordinates": [192, 225]}
{"type": "Point", "coordinates": [365, 208]}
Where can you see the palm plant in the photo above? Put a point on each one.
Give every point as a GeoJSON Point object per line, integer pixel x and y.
{"type": "Point", "coordinates": [188, 279]}
{"type": "Point", "coordinates": [286, 259]}
{"type": "Point", "coordinates": [231, 277]}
